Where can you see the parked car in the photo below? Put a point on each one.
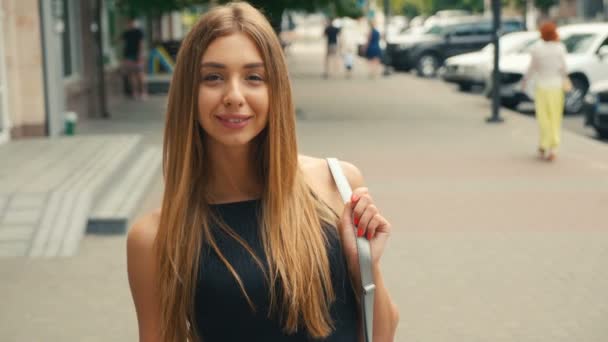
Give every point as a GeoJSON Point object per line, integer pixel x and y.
{"type": "Point", "coordinates": [426, 52]}
{"type": "Point", "coordinates": [596, 107]}
{"type": "Point", "coordinates": [438, 17]}
{"type": "Point", "coordinates": [585, 63]}
{"type": "Point", "coordinates": [470, 69]}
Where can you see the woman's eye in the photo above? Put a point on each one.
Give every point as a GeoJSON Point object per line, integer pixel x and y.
{"type": "Point", "coordinates": [256, 78]}
{"type": "Point", "coordinates": [212, 77]}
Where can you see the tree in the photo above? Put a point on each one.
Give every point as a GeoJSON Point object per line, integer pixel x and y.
{"type": "Point", "coordinates": [410, 10]}
{"type": "Point", "coordinates": [545, 5]}
{"type": "Point", "coordinates": [273, 9]}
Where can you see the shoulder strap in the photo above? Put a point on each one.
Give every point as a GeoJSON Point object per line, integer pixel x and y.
{"type": "Point", "coordinates": [364, 251]}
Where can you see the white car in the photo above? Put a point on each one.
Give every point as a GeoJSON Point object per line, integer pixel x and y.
{"type": "Point", "coordinates": [472, 68]}
{"type": "Point", "coordinates": [587, 63]}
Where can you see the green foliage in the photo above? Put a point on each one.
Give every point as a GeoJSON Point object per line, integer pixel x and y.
{"type": "Point", "coordinates": [340, 7]}
{"type": "Point", "coordinates": [410, 10]}
{"type": "Point", "coordinates": [273, 9]}
{"type": "Point", "coordinates": [544, 5]}
{"type": "Point", "coordinates": [471, 5]}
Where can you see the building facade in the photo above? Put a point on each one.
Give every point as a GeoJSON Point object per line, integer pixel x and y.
{"type": "Point", "coordinates": [56, 56]}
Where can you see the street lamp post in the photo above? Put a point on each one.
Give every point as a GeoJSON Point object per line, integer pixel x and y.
{"type": "Point", "coordinates": [495, 118]}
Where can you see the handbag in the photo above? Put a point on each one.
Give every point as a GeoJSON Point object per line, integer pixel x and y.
{"type": "Point", "coordinates": [364, 252]}
{"type": "Point", "coordinates": [362, 50]}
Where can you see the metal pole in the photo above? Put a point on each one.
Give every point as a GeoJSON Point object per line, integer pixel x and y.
{"type": "Point", "coordinates": [387, 15]}
{"type": "Point", "coordinates": [52, 27]}
{"type": "Point", "coordinates": [495, 118]}
{"type": "Point", "coordinates": [102, 97]}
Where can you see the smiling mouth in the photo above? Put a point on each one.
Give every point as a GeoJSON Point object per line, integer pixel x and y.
{"type": "Point", "coordinates": [234, 120]}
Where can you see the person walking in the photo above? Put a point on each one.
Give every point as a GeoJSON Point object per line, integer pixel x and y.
{"type": "Point", "coordinates": [332, 57]}
{"type": "Point", "coordinates": [252, 241]}
{"type": "Point", "coordinates": [348, 49]}
{"type": "Point", "coordinates": [548, 69]}
{"type": "Point", "coordinates": [133, 59]}
{"type": "Point", "coordinates": [373, 52]}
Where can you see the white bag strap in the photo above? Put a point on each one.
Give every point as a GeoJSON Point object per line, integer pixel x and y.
{"type": "Point", "coordinates": [364, 251]}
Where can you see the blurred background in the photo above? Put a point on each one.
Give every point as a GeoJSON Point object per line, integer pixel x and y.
{"type": "Point", "coordinates": [490, 243]}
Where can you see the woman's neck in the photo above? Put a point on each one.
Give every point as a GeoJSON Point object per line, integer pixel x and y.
{"type": "Point", "coordinates": [233, 173]}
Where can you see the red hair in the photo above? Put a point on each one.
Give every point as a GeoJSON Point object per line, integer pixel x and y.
{"type": "Point", "coordinates": [548, 31]}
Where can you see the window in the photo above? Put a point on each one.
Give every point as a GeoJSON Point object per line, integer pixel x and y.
{"type": "Point", "coordinates": [512, 26]}
{"type": "Point", "coordinates": [435, 30]}
{"type": "Point", "coordinates": [462, 30]}
{"type": "Point", "coordinates": [484, 28]}
{"type": "Point", "coordinates": [70, 38]}
{"type": "Point", "coordinates": [605, 43]}
{"type": "Point", "coordinates": [579, 42]}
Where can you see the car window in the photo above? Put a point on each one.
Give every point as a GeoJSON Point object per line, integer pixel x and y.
{"type": "Point", "coordinates": [578, 42]}
{"type": "Point", "coordinates": [512, 26]}
{"type": "Point", "coordinates": [604, 43]}
{"type": "Point", "coordinates": [436, 29]}
{"type": "Point", "coordinates": [462, 30]}
{"type": "Point", "coordinates": [484, 28]}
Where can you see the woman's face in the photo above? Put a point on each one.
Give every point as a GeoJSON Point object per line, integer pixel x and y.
{"type": "Point", "coordinates": [233, 94]}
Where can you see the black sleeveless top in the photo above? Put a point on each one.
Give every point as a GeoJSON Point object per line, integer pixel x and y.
{"type": "Point", "coordinates": [222, 314]}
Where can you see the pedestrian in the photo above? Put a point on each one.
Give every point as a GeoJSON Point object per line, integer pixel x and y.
{"type": "Point", "coordinates": [548, 69]}
{"type": "Point", "coordinates": [373, 52]}
{"type": "Point", "coordinates": [252, 241]}
{"type": "Point", "coordinates": [332, 58]}
{"type": "Point", "coordinates": [133, 59]}
{"type": "Point", "coordinates": [348, 48]}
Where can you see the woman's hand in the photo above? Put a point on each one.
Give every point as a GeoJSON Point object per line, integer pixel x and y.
{"type": "Point", "coordinates": [367, 223]}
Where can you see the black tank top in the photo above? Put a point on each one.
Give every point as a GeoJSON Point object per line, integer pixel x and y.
{"type": "Point", "coordinates": [222, 313]}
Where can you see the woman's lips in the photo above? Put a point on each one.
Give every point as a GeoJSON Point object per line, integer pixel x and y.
{"type": "Point", "coordinates": [234, 121]}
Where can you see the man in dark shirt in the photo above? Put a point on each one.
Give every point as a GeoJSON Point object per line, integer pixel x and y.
{"type": "Point", "coordinates": [331, 33]}
{"type": "Point", "coordinates": [133, 59]}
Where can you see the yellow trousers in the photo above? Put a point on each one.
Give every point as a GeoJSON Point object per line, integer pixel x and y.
{"type": "Point", "coordinates": [549, 105]}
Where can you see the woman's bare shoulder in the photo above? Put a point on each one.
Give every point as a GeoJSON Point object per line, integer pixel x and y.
{"type": "Point", "coordinates": [143, 232]}
{"type": "Point", "coordinates": [318, 175]}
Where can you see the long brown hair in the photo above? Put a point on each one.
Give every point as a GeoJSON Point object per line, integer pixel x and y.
{"type": "Point", "coordinates": [292, 216]}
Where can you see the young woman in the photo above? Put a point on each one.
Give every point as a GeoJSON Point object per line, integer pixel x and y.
{"type": "Point", "coordinates": [548, 68]}
{"type": "Point", "coordinates": [248, 245]}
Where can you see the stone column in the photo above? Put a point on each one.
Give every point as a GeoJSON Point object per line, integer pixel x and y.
{"type": "Point", "coordinates": [24, 66]}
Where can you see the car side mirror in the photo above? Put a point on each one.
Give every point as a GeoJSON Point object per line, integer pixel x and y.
{"type": "Point", "coordinates": [603, 52]}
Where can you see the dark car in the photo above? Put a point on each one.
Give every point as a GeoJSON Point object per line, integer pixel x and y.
{"type": "Point", "coordinates": [596, 109]}
{"type": "Point", "coordinates": [426, 52]}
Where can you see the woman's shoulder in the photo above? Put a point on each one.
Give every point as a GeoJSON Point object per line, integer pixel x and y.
{"type": "Point", "coordinates": [142, 234]}
{"type": "Point", "coordinates": [318, 175]}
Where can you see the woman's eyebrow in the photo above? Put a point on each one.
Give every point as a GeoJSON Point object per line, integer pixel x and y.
{"type": "Point", "coordinates": [223, 66]}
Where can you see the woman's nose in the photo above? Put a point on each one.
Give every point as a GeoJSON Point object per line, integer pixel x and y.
{"type": "Point", "coordinates": [234, 94]}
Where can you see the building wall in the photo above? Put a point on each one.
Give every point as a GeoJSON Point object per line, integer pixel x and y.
{"type": "Point", "coordinates": [24, 68]}
{"type": "Point", "coordinates": [582, 10]}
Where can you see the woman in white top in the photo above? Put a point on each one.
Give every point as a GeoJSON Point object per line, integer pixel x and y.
{"type": "Point", "coordinates": [548, 68]}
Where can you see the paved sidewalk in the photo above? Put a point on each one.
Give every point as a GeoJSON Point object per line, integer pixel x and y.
{"type": "Point", "coordinates": [490, 244]}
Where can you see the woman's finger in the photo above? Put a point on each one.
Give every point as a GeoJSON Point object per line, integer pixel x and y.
{"type": "Point", "coordinates": [373, 226]}
{"type": "Point", "coordinates": [368, 214]}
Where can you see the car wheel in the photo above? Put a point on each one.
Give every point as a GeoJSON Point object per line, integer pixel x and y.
{"type": "Point", "coordinates": [465, 86]}
{"type": "Point", "coordinates": [575, 98]}
{"type": "Point", "coordinates": [427, 65]}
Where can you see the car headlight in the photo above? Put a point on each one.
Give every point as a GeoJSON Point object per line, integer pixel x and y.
{"type": "Point", "coordinates": [591, 98]}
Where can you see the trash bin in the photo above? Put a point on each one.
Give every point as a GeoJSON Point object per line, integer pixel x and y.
{"type": "Point", "coordinates": [71, 119]}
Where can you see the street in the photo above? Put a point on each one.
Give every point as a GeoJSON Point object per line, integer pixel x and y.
{"type": "Point", "coordinates": [489, 243]}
